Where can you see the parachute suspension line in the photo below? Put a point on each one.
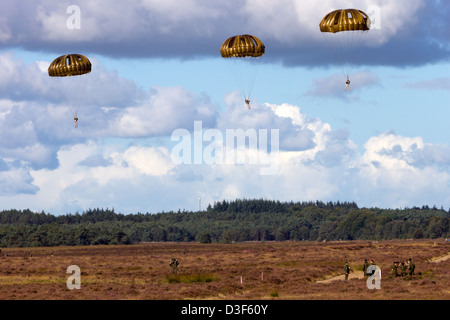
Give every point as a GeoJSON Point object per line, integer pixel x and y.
{"type": "Point", "coordinates": [72, 88]}
{"type": "Point", "coordinates": [338, 45]}
{"type": "Point", "coordinates": [238, 72]}
{"type": "Point", "coordinates": [331, 43]}
{"type": "Point", "coordinates": [361, 39]}
{"type": "Point", "coordinates": [65, 89]}
{"type": "Point", "coordinates": [347, 48]}
{"type": "Point", "coordinates": [80, 87]}
{"type": "Point", "coordinates": [355, 42]}
{"type": "Point", "coordinates": [244, 72]}
{"type": "Point", "coordinates": [352, 45]}
{"type": "Point", "coordinates": [253, 67]}
{"type": "Point", "coordinates": [343, 51]}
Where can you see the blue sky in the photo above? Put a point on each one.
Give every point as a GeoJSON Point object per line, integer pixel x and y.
{"type": "Point", "coordinates": [157, 68]}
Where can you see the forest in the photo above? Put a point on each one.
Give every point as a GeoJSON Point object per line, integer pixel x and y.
{"type": "Point", "coordinates": [224, 222]}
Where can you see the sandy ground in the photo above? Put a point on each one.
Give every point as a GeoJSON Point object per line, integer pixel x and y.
{"type": "Point", "coordinates": [353, 275]}
{"type": "Point", "coordinates": [440, 259]}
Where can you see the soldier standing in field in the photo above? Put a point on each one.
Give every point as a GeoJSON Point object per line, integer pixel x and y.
{"type": "Point", "coordinates": [403, 269]}
{"type": "Point", "coordinates": [372, 263]}
{"type": "Point", "coordinates": [174, 264]}
{"type": "Point", "coordinates": [394, 269]}
{"type": "Point", "coordinates": [365, 266]}
{"type": "Point", "coordinates": [411, 267]}
{"type": "Point", "coordinates": [346, 270]}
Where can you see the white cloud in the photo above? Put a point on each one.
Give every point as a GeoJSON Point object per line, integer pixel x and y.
{"type": "Point", "coordinates": [16, 181]}
{"type": "Point", "coordinates": [30, 82]}
{"type": "Point", "coordinates": [167, 109]}
{"type": "Point", "coordinates": [296, 132]}
{"type": "Point", "coordinates": [301, 19]}
{"type": "Point", "coordinates": [391, 175]}
{"type": "Point", "coordinates": [192, 28]}
{"type": "Point", "coordinates": [150, 161]}
{"type": "Point", "coordinates": [47, 165]}
{"type": "Point", "coordinates": [394, 171]}
{"type": "Point", "coordinates": [75, 186]}
{"type": "Point", "coordinates": [36, 121]}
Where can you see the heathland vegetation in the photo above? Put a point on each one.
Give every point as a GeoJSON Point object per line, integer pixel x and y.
{"type": "Point", "coordinates": [225, 222]}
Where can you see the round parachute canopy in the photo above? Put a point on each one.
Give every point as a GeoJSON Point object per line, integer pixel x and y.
{"type": "Point", "coordinates": [345, 20]}
{"type": "Point", "coordinates": [69, 65]}
{"type": "Point", "coordinates": [242, 46]}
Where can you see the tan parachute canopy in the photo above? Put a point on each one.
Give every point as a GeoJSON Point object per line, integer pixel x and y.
{"type": "Point", "coordinates": [242, 46]}
{"type": "Point", "coordinates": [69, 65]}
{"type": "Point", "coordinates": [345, 20]}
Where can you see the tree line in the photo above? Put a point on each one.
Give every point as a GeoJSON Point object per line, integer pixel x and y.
{"type": "Point", "coordinates": [225, 222]}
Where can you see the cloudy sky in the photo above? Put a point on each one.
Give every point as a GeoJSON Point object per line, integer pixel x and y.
{"type": "Point", "coordinates": [160, 104]}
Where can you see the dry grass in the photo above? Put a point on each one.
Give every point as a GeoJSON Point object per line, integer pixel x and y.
{"type": "Point", "coordinates": [270, 270]}
{"type": "Point", "coordinates": [190, 278]}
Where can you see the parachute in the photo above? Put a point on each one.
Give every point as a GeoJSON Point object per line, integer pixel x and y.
{"type": "Point", "coordinates": [244, 52]}
{"type": "Point", "coordinates": [345, 30]}
{"type": "Point", "coordinates": [70, 70]}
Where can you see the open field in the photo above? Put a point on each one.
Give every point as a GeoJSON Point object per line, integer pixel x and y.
{"type": "Point", "coordinates": [269, 270]}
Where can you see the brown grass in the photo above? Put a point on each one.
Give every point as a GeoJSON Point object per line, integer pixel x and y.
{"type": "Point", "coordinates": [269, 270]}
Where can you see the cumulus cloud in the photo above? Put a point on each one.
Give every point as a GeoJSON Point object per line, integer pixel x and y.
{"type": "Point", "coordinates": [36, 110]}
{"type": "Point", "coordinates": [120, 155]}
{"type": "Point", "coordinates": [196, 28]}
{"type": "Point", "coordinates": [394, 151]}
{"type": "Point", "coordinates": [43, 155]}
{"type": "Point", "coordinates": [392, 171]}
{"type": "Point", "coordinates": [16, 180]}
{"type": "Point", "coordinates": [401, 171]}
{"type": "Point", "coordinates": [81, 180]}
{"type": "Point", "coordinates": [166, 110]}
{"type": "Point", "coordinates": [150, 161]}
{"type": "Point", "coordinates": [296, 132]}
{"type": "Point", "coordinates": [30, 82]}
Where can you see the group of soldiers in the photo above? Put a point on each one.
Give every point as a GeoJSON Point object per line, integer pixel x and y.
{"type": "Point", "coordinates": [399, 269]}
{"type": "Point", "coordinates": [366, 266]}
{"type": "Point", "coordinates": [405, 267]}
{"type": "Point", "coordinates": [366, 270]}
